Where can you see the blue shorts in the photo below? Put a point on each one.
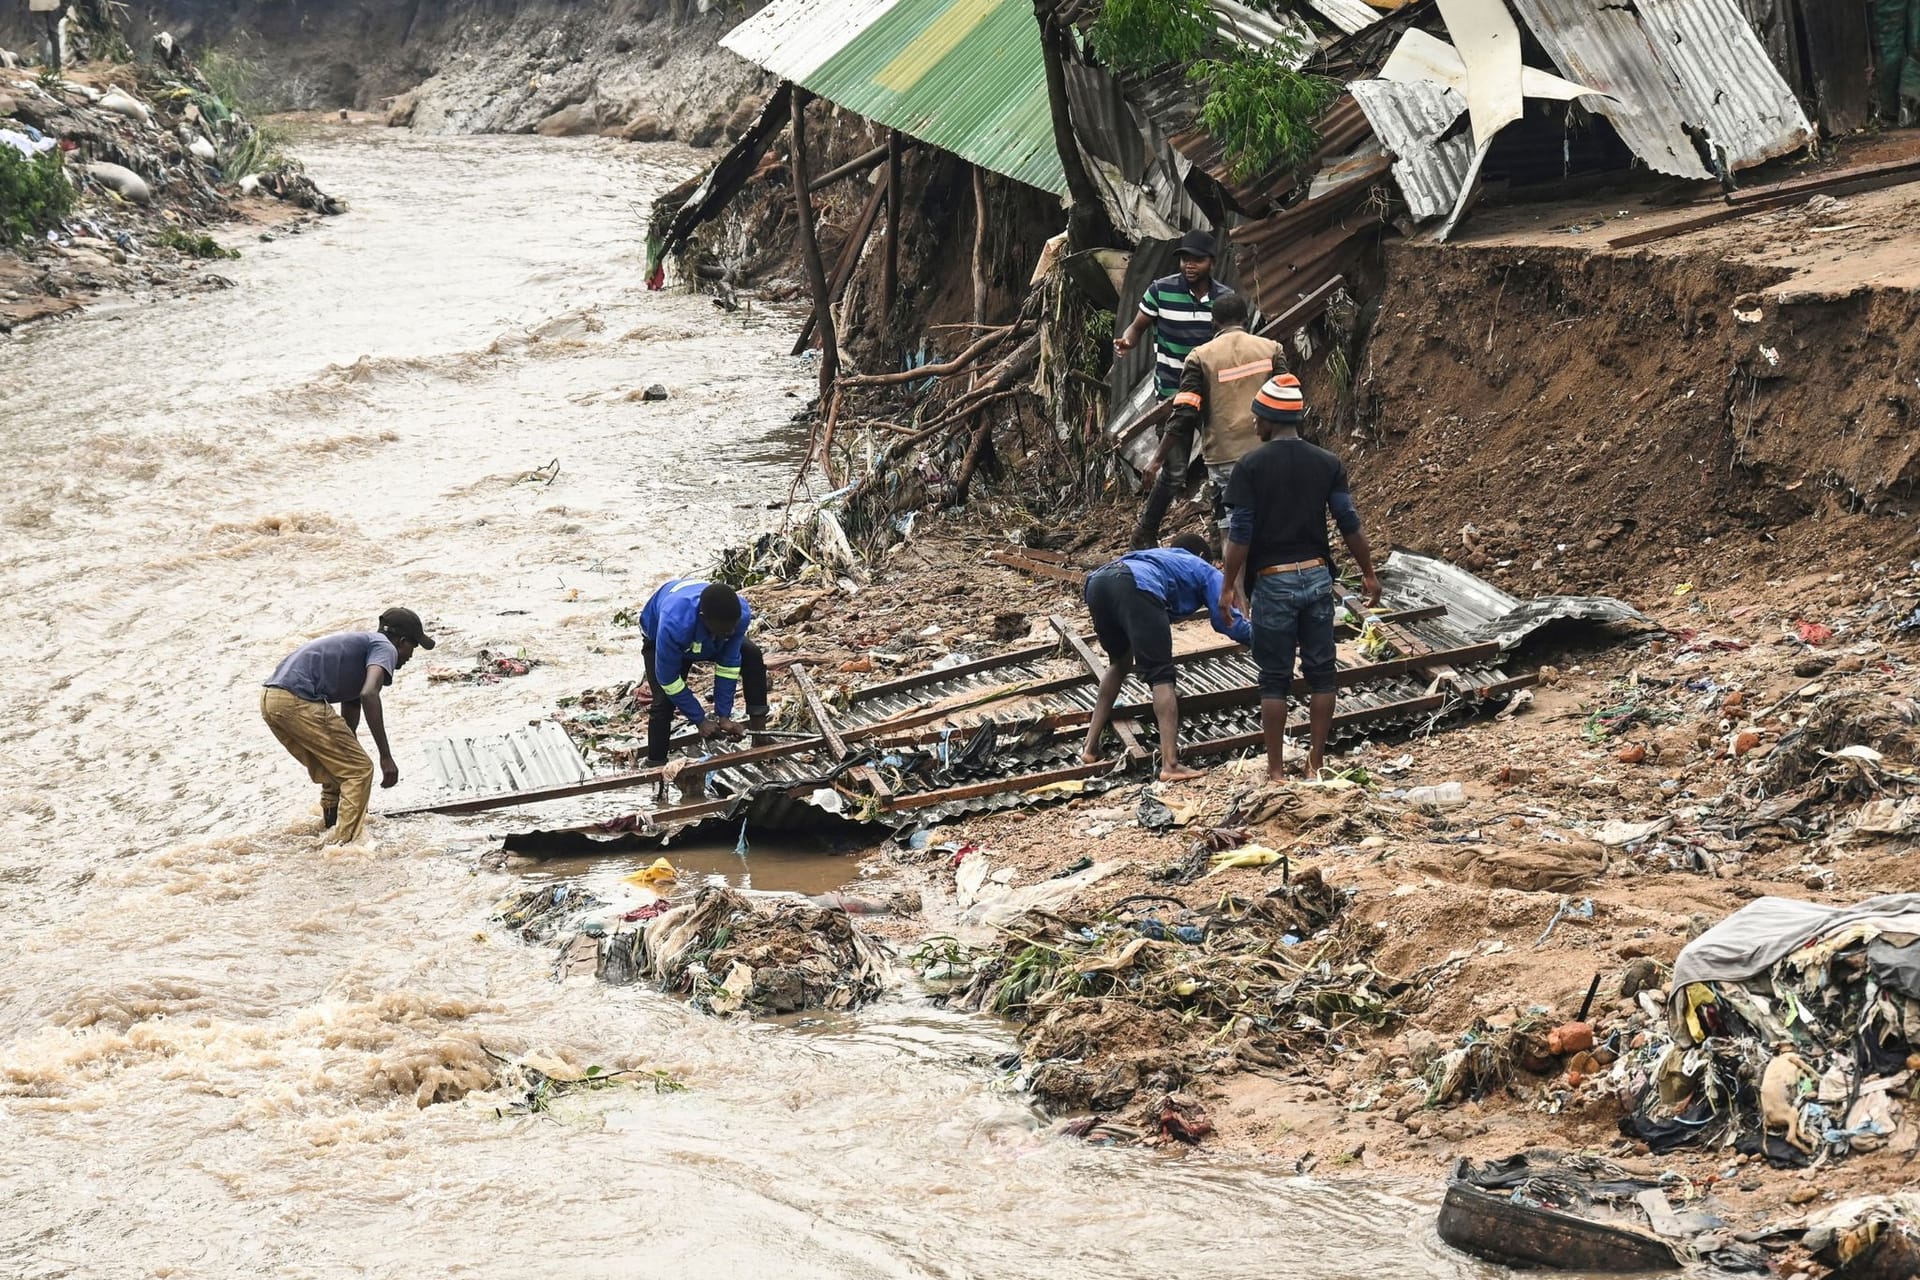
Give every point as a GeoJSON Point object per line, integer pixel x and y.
{"type": "Point", "coordinates": [1293, 614]}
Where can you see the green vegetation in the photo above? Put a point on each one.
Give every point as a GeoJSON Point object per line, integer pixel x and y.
{"type": "Point", "coordinates": [237, 80]}
{"type": "Point", "coordinates": [253, 149]}
{"type": "Point", "coordinates": [1262, 111]}
{"type": "Point", "coordinates": [1137, 37]}
{"type": "Point", "coordinates": [34, 194]}
{"type": "Point", "coordinates": [199, 245]}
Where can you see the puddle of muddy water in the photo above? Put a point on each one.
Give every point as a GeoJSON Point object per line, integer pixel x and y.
{"type": "Point", "coordinates": [221, 1044]}
{"type": "Point", "coordinates": [768, 866]}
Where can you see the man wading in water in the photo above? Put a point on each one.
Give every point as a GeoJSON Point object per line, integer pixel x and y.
{"type": "Point", "coordinates": [349, 668]}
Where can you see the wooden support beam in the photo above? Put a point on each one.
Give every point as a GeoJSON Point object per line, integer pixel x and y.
{"type": "Point", "coordinates": [616, 782]}
{"type": "Point", "coordinates": [818, 709]}
{"type": "Point", "coordinates": [1012, 658]}
{"type": "Point", "coordinates": [999, 786]}
{"type": "Point", "coordinates": [1016, 560]}
{"type": "Point", "coordinates": [810, 250]}
{"type": "Point", "coordinates": [859, 164]}
{"type": "Point", "coordinates": [890, 264]}
{"type": "Point", "coordinates": [844, 266]}
{"type": "Point", "coordinates": [979, 246]}
{"type": "Point", "coordinates": [1125, 729]}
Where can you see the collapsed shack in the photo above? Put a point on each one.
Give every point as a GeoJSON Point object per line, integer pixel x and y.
{"type": "Point", "coordinates": [1794, 1034]}
{"type": "Point", "coordinates": [725, 951]}
{"type": "Point", "coordinates": [975, 735]}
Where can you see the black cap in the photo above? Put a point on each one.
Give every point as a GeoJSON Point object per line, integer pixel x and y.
{"type": "Point", "coordinates": [1196, 244]}
{"type": "Point", "coordinates": [405, 623]}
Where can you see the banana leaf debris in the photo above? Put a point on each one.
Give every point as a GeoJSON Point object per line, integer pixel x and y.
{"type": "Point", "coordinates": [1111, 1000]}
{"type": "Point", "coordinates": [725, 950]}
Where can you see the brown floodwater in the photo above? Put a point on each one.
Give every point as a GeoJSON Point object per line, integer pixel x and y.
{"type": "Point", "coordinates": [214, 1034]}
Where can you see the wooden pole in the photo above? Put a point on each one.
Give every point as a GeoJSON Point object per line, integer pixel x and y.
{"type": "Point", "coordinates": [1088, 226]}
{"type": "Point", "coordinates": [979, 245]}
{"type": "Point", "coordinates": [844, 265]}
{"type": "Point", "coordinates": [890, 265]}
{"type": "Point", "coordinates": [810, 248]}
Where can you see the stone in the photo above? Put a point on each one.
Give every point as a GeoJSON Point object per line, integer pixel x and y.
{"type": "Point", "coordinates": [7, 107]}
{"type": "Point", "coordinates": [1422, 1048]}
{"type": "Point", "coordinates": [1804, 1195]}
{"type": "Point", "coordinates": [654, 391]}
{"type": "Point", "coordinates": [400, 114]}
{"type": "Point", "coordinates": [569, 122]}
{"type": "Point", "coordinates": [645, 127]}
{"type": "Point", "coordinates": [707, 131]}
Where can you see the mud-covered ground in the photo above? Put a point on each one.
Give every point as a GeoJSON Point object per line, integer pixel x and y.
{"type": "Point", "coordinates": [1445, 912]}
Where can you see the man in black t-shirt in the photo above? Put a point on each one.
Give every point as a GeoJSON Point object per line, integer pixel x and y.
{"type": "Point", "coordinates": [1278, 554]}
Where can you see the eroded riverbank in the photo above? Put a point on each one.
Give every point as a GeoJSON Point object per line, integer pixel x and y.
{"type": "Point", "coordinates": [213, 1035]}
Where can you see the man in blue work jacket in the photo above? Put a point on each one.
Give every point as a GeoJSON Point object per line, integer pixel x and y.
{"type": "Point", "coordinates": [688, 622]}
{"type": "Point", "coordinates": [1133, 601]}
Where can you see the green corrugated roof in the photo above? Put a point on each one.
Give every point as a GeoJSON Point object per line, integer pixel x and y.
{"type": "Point", "coordinates": [963, 75]}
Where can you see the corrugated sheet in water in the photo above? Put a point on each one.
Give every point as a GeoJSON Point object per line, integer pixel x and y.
{"type": "Point", "coordinates": [963, 75]}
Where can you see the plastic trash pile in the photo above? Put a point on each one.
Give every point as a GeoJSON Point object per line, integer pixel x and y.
{"type": "Point", "coordinates": [1793, 1030]}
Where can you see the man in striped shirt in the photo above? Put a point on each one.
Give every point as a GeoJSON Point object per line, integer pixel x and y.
{"type": "Point", "coordinates": [1180, 309]}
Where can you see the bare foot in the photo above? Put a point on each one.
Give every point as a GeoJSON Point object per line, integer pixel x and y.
{"type": "Point", "coordinates": [1091, 757]}
{"type": "Point", "coordinates": [1278, 777]}
{"type": "Point", "coordinates": [1180, 773]}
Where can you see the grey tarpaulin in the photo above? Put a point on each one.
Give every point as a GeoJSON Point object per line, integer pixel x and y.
{"type": "Point", "coordinates": [1764, 932]}
{"type": "Point", "coordinates": [1894, 966]}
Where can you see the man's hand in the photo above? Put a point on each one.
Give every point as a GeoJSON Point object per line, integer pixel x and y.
{"type": "Point", "coordinates": [732, 729]}
{"type": "Point", "coordinates": [1370, 583]}
{"type": "Point", "coordinates": [710, 727]}
{"type": "Point", "coordinates": [1151, 472]}
{"type": "Point", "coordinates": [1232, 600]}
{"type": "Point", "coordinates": [389, 772]}
{"type": "Point", "coordinates": [1123, 343]}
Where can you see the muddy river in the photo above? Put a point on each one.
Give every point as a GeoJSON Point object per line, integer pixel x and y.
{"type": "Point", "coordinates": [213, 1032]}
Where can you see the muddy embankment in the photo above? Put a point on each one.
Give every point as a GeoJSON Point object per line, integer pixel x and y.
{"type": "Point", "coordinates": [641, 69]}
{"type": "Point", "coordinates": [1563, 420]}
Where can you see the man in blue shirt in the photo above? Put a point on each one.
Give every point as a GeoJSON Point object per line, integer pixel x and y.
{"type": "Point", "coordinates": [1133, 601]}
{"type": "Point", "coordinates": [688, 622]}
{"type": "Point", "coordinates": [350, 668]}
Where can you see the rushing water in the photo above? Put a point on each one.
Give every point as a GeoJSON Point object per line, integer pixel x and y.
{"type": "Point", "coordinates": [213, 1032]}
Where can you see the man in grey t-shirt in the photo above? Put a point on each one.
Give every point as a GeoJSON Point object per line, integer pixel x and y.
{"type": "Point", "coordinates": [349, 668]}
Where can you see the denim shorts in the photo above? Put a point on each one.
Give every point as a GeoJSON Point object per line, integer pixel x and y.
{"type": "Point", "coordinates": [1293, 614]}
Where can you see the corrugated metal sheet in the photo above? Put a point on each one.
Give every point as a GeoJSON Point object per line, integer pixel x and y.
{"type": "Point", "coordinates": [1672, 65]}
{"type": "Point", "coordinates": [1733, 87]}
{"type": "Point", "coordinates": [963, 75]}
{"type": "Point", "coordinates": [540, 755]}
{"type": "Point", "coordinates": [1348, 15]}
{"type": "Point", "coordinates": [1411, 120]}
{"type": "Point", "coordinates": [1218, 688]}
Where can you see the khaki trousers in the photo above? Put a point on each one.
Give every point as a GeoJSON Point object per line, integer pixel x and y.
{"type": "Point", "coordinates": [314, 734]}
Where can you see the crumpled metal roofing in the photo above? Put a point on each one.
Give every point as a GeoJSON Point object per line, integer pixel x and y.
{"type": "Point", "coordinates": [963, 75]}
{"type": "Point", "coordinates": [1037, 691]}
{"type": "Point", "coordinates": [1478, 610]}
{"type": "Point", "coordinates": [1410, 120]}
{"type": "Point", "coordinates": [1670, 66]}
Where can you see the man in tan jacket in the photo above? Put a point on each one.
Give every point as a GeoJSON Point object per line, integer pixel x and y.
{"type": "Point", "coordinates": [1217, 385]}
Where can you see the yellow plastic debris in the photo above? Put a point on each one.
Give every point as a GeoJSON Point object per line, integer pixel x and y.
{"type": "Point", "coordinates": [1071, 787]}
{"type": "Point", "coordinates": [661, 872]}
{"type": "Point", "coordinates": [1252, 855]}
{"type": "Point", "coordinates": [1683, 588]}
